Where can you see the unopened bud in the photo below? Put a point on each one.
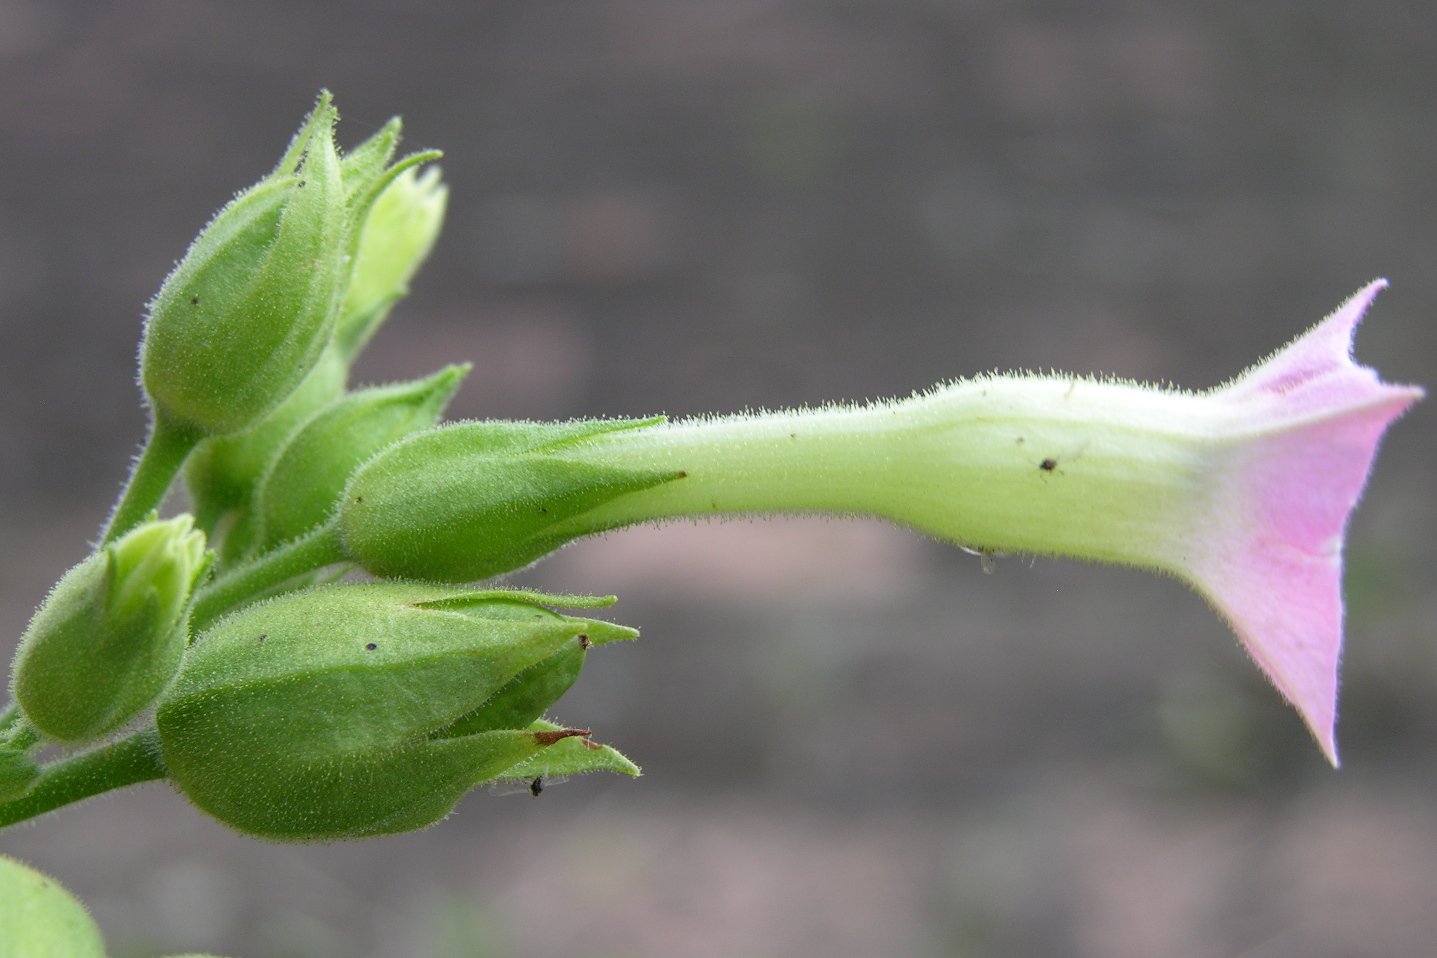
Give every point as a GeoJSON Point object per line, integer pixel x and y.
{"type": "Point", "coordinates": [306, 479]}
{"type": "Point", "coordinates": [477, 499]}
{"type": "Point", "coordinates": [396, 239]}
{"type": "Point", "coordinates": [245, 315]}
{"type": "Point", "coordinates": [325, 714]}
{"type": "Point", "coordinates": [109, 637]}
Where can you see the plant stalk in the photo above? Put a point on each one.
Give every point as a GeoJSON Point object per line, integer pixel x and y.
{"type": "Point", "coordinates": [128, 761]}
{"type": "Point", "coordinates": [165, 451]}
{"type": "Point", "coordinates": [305, 554]}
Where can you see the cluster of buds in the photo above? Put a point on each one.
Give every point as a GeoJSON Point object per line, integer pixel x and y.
{"type": "Point", "coordinates": [324, 712]}
{"type": "Point", "coordinates": [235, 354]}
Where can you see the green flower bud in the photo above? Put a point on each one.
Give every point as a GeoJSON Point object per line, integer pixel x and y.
{"type": "Point", "coordinates": [477, 499]}
{"type": "Point", "coordinates": [243, 318]}
{"type": "Point", "coordinates": [109, 637]}
{"type": "Point", "coordinates": [306, 480]}
{"type": "Point", "coordinates": [313, 716]}
{"type": "Point", "coordinates": [396, 239]}
{"type": "Point", "coordinates": [40, 919]}
{"type": "Point", "coordinates": [17, 771]}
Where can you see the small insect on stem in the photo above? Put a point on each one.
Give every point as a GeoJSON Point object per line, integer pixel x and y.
{"type": "Point", "coordinates": [536, 787]}
{"type": "Point", "coordinates": [1048, 465]}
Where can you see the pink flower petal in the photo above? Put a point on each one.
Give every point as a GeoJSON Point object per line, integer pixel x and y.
{"type": "Point", "coordinates": [1324, 350]}
{"type": "Point", "coordinates": [1308, 423]}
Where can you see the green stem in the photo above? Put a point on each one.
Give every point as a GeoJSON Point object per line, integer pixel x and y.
{"type": "Point", "coordinates": [164, 453]}
{"type": "Point", "coordinates": [305, 554]}
{"type": "Point", "coordinates": [126, 762]}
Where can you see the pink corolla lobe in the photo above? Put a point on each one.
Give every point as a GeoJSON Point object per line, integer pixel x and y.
{"type": "Point", "coordinates": [1306, 425]}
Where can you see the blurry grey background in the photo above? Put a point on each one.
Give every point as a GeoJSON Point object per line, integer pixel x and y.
{"type": "Point", "coordinates": [856, 743]}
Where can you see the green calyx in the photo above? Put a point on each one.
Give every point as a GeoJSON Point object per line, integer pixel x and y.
{"type": "Point", "coordinates": [478, 499]}
{"type": "Point", "coordinates": [246, 314]}
{"type": "Point", "coordinates": [305, 480]}
{"type": "Point", "coordinates": [392, 216]}
{"type": "Point", "coordinates": [109, 637]}
{"type": "Point", "coordinates": [335, 713]}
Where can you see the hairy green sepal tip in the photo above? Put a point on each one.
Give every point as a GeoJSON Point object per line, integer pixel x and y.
{"type": "Point", "coordinates": [477, 499]}
{"type": "Point", "coordinates": [110, 635]}
{"type": "Point", "coordinates": [314, 716]}
{"type": "Point", "coordinates": [306, 478]}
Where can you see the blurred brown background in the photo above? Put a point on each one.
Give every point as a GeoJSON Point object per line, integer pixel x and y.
{"type": "Point", "coordinates": [856, 744]}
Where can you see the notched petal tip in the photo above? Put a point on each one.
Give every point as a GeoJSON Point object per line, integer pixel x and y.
{"type": "Point", "coordinates": [1318, 355]}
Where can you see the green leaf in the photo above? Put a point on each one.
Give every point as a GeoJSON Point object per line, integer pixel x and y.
{"type": "Point", "coordinates": [40, 919]}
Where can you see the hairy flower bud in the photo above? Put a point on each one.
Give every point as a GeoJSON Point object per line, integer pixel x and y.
{"type": "Point", "coordinates": [326, 714]}
{"type": "Point", "coordinates": [109, 637]}
{"type": "Point", "coordinates": [306, 479]}
{"type": "Point", "coordinates": [40, 919]}
{"type": "Point", "coordinates": [476, 499]}
{"type": "Point", "coordinates": [245, 315]}
{"type": "Point", "coordinates": [401, 230]}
